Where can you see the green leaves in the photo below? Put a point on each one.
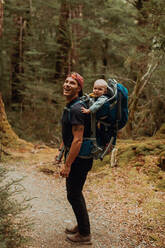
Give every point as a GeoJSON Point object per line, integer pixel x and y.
{"type": "Point", "coordinates": [43, 40]}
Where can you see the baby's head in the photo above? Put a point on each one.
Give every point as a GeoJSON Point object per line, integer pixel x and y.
{"type": "Point", "coordinates": [100, 87]}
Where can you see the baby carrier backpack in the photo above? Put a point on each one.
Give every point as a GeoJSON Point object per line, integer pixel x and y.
{"type": "Point", "coordinates": [112, 116]}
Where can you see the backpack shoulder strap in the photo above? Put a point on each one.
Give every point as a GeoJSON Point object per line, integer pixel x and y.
{"type": "Point", "coordinates": [68, 108]}
{"type": "Point", "coordinates": [118, 117]}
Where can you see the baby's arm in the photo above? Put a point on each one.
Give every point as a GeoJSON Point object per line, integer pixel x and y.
{"type": "Point", "coordinates": [85, 111]}
{"type": "Point", "coordinates": [98, 104]}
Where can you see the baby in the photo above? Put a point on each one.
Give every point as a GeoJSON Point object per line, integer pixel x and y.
{"type": "Point", "coordinates": [99, 91]}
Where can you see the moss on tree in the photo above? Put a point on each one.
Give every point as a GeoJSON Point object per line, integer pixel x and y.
{"type": "Point", "coordinates": [9, 141]}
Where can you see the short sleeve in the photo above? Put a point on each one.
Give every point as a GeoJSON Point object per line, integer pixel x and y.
{"type": "Point", "coordinates": [76, 115]}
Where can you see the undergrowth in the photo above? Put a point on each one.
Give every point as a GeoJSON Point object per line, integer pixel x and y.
{"type": "Point", "coordinates": [13, 227]}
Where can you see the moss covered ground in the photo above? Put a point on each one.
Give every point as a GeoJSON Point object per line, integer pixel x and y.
{"type": "Point", "coordinates": [136, 183]}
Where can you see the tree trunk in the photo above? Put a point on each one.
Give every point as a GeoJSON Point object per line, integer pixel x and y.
{"type": "Point", "coordinates": [9, 141]}
{"type": "Point", "coordinates": [104, 57]}
{"type": "Point", "coordinates": [17, 60]}
{"type": "Point", "coordinates": [63, 41]}
{"type": "Point", "coordinates": [138, 64]}
{"type": "Point", "coordinates": [68, 40]}
{"type": "Point", "coordinates": [145, 65]}
{"type": "Point", "coordinates": [139, 87]}
{"type": "Point", "coordinates": [1, 17]}
{"type": "Point", "coordinates": [76, 35]}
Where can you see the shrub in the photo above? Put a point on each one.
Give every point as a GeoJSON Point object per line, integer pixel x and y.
{"type": "Point", "coordinates": [13, 226]}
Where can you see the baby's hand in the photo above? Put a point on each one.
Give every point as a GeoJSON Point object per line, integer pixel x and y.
{"type": "Point", "coordinates": [85, 111]}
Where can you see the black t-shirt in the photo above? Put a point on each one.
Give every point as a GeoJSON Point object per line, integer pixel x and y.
{"type": "Point", "coordinates": [73, 115]}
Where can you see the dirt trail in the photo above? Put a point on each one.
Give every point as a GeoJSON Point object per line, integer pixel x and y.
{"type": "Point", "coordinates": [115, 223]}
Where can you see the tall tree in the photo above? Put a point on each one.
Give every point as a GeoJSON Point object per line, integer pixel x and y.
{"type": "Point", "coordinates": [45, 40]}
{"type": "Point", "coordinates": [8, 138]}
{"type": "Point", "coordinates": [20, 23]}
{"type": "Point", "coordinates": [1, 17]}
{"type": "Point", "coordinates": [63, 42]}
{"type": "Point", "coordinates": [150, 49]}
{"type": "Point", "coordinates": [76, 33]}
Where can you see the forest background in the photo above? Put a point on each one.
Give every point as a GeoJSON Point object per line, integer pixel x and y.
{"type": "Point", "coordinates": [41, 41]}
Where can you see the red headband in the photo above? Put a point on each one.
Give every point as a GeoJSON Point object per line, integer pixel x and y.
{"type": "Point", "coordinates": [78, 78]}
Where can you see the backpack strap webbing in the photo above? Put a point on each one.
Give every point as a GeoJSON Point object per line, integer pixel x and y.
{"type": "Point", "coordinates": [93, 137]}
{"type": "Point", "coordinates": [110, 146]}
{"type": "Point", "coordinates": [118, 117]}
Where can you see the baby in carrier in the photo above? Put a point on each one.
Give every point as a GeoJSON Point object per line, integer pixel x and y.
{"type": "Point", "coordinates": [99, 94]}
{"type": "Point", "coordinates": [99, 109]}
{"type": "Point", "coordinates": [108, 107]}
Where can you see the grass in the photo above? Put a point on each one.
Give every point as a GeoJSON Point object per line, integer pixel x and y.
{"type": "Point", "coordinates": [137, 181]}
{"type": "Point", "coordinates": [13, 227]}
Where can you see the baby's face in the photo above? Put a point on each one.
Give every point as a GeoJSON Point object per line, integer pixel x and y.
{"type": "Point", "coordinates": [99, 90]}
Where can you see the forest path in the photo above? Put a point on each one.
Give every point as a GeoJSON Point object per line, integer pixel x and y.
{"type": "Point", "coordinates": [50, 210]}
{"type": "Point", "coordinates": [114, 211]}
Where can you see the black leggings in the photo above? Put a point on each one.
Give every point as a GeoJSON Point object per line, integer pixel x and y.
{"type": "Point", "coordinates": [74, 186]}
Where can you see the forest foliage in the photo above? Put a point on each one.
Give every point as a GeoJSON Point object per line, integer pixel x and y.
{"type": "Point", "coordinates": [41, 41]}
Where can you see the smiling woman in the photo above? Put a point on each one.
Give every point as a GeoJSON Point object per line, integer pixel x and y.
{"type": "Point", "coordinates": [1, 17]}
